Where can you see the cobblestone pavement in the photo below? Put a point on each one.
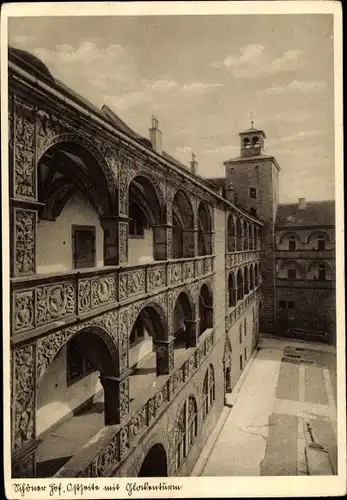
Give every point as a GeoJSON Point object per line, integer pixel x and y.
{"type": "Point", "coordinates": [284, 419]}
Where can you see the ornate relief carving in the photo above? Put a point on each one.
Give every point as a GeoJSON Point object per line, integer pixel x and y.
{"type": "Point", "coordinates": [137, 425]}
{"type": "Point", "coordinates": [188, 270]}
{"type": "Point", "coordinates": [25, 468]}
{"type": "Point", "coordinates": [136, 282]}
{"type": "Point", "coordinates": [24, 157]}
{"type": "Point", "coordinates": [156, 277]}
{"type": "Point", "coordinates": [25, 229]}
{"type": "Point", "coordinates": [123, 242]}
{"type": "Point", "coordinates": [123, 340]}
{"type": "Point", "coordinates": [48, 127]}
{"type": "Point", "coordinates": [208, 265]}
{"type": "Point", "coordinates": [84, 295]}
{"type": "Point", "coordinates": [123, 286]}
{"type": "Point", "coordinates": [150, 410]}
{"type": "Point", "coordinates": [134, 311]}
{"type": "Point", "coordinates": [108, 457]}
{"type": "Point", "coordinates": [175, 273]}
{"type": "Point", "coordinates": [171, 356]}
{"type": "Point", "coordinates": [54, 302]}
{"type": "Point", "coordinates": [124, 398]}
{"type": "Point", "coordinates": [46, 350]}
{"type": "Point", "coordinates": [23, 398]}
{"type": "Point", "coordinates": [199, 267]}
{"type": "Point", "coordinates": [10, 126]}
{"type": "Point", "coordinates": [170, 193]}
{"type": "Point", "coordinates": [103, 290]}
{"type": "Point", "coordinates": [169, 242]}
{"type": "Point", "coordinates": [23, 311]}
{"type": "Point", "coordinates": [124, 441]}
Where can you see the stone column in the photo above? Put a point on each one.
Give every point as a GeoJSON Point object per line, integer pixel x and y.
{"type": "Point", "coordinates": [165, 356]}
{"type": "Point", "coordinates": [192, 332]}
{"type": "Point", "coordinates": [162, 237]}
{"type": "Point", "coordinates": [116, 393]}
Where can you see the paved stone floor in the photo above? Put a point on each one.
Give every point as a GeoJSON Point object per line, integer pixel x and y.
{"type": "Point", "coordinates": [287, 402]}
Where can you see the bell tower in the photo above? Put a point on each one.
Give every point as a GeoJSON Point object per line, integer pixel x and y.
{"type": "Point", "coordinates": [254, 176]}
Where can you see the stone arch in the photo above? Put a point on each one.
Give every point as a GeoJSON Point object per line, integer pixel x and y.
{"type": "Point", "coordinates": [239, 235]}
{"type": "Point", "coordinates": [48, 347]}
{"type": "Point", "coordinates": [185, 428]}
{"type": "Point", "coordinates": [316, 234]}
{"type": "Point", "coordinates": [288, 234]}
{"type": "Point", "coordinates": [320, 270]}
{"type": "Point", "coordinates": [183, 225]}
{"type": "Point", "coordinates": [73, 139]}
{"type": "Point", "coordinates": [292, 264]}
{"type": "Point", "coordinates": [184, 322]}
{"type": "Point", "coordinates": [246, 280]}
{"type": "Point", "coordinates": [205, 307]}
{"type": "Point", "coordinates": [204, 229]}
{"type": "Point", "coordinates": [240, 289]}
{"type": "Point", "coordinates": [231, 232]}
{"type": "Point", "coordinates": [155, 463]}
{"type": "Point", "coordinates": [150, 189]}
{"type": "Point", "coordinates": [232, 290]}
{"type": "Point", "coordinates": [154, 319]}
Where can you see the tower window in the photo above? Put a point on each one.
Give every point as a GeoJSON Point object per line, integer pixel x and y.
{"type": "Point", "coordinates": [291, 274]}
{"type": "Point", "coordinates": [292, 243]}
{"type": "Point", "coordinates": [321, 243]}
{"type": "Point", "coordinates": [321, 273]}
{"type": "Point", "coordinates": [252, 192]}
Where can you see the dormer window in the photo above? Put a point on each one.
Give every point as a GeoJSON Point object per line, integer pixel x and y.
{"type": "Point", "coordinates": [292, 243]}
{"type": "Point", "coordinates": [321, 243]}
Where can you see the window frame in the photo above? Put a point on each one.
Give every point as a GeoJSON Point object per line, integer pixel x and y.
{"type": "Point", "coordinates": [79, 228]}
{"type": "Point", "coordinates": [252, 192]}
{"type": "Point", "coordinates": [291, 271]}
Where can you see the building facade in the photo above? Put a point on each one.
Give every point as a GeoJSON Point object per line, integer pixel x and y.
{"type": "Point", "coordinates": [135, 290]}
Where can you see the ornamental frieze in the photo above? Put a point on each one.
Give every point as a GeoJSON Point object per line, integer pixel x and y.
{"type": "Point", "coordinates": [23, 398]}
{"type": "Point", "coordinates": [54, 302]}
{"type": "Point", "coordinates": [103, 291]}
{"type": "Point", "coordinates": [175, 273]}
{"type": "Point", "coordinates": [23, 311]}
{"type": "Point", "coordinates": [188, 270]}
{"type": "Point", "coordinates": [123, 337]}
{"type": "Point", "coordinates": [25, 229]}
{"type": "Point", "coordinates": [123, 242]}
{"type": "Point", "coordinates": [124, 398]}
{"type": "Point", "coordinates": [199, 268]}
{"type": "Point", "coordinates": [137, 425]}
{"type": "Point", "coordinates": [107, 459]}
{"type": "Point", "coordinates": [24, 154]}
{"type": "Point", "coordinates": [156, 277]}
{"type": "Point", "coordinates": [84, 295]}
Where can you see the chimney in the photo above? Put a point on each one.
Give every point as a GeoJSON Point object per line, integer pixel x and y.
{"type": "Point", "coordinates": [230, 191]}
{"type": "Point", "coordinates": [155, 136]}
{"type": "Point", "coordinates": [194, 165]}
{"type": "Point", "coordinates": [302, 204]}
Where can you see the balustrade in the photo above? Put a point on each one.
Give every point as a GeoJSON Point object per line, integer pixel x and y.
{"type": "Point", "coordinates": [235, 312]}
{"type": "Point", "coordinates": [54, 300]}
{"type": "Point", "coordinates": [236, 258]}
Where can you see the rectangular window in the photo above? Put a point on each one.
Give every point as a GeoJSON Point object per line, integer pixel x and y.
{"type": "Point", "coordinates": [292, 274]}
{"type": "Point", "coordinates": [290, 304]}
{"type": "Point", "coordinates": [282, 304]}
{"type": "Point", "coordinates": [245, 352]}
{"type": "Point", "coordinates": [241, 365]}
{"type": "Point", "coordinates": [321, 274]}
{"type": "Point", "coordinates": [321, 245]}
{"type": "Point", "coordinates": [83, 246]}
{"type": "Point", "coordinates": [252, 192]}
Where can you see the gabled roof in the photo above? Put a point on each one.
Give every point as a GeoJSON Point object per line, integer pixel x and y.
{"type": "Point", "coordinates": [315, 213]}
{"type": "Point", "coordinates": [253, 130]}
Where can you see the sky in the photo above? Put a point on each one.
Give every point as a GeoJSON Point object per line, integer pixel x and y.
{"type": "Point", "coordinates": [205, 78]}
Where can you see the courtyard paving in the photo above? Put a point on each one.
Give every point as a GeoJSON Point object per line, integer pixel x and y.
{"type": "Point", "coordinates": [283, 421]}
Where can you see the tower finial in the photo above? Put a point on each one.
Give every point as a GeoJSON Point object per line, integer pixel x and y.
{"type": "Point", "coordinates": [252, 122]}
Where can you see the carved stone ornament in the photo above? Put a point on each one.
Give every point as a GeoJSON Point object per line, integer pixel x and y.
{"type": "Point", "coordinates": [123, 339]}
{"type": "Point", "coordinates": [84, 295]}
{"type": "Point", "coordinates": [54, 302]}
{"type": "Point", "coordinates": [108, 457]}
{"type": "Point", "coordinates": [188, 270]}
{"type": "Point", "coordinates": [175, 273]}
{"type": "Point", "coordinates": [123, 242]}
{"type": "Point", "coordinates": [24, 468]}
{"type": "Point", "coordinates": [25, 229]}
{"type": "Point", "coordinates": [136, 282]}
{"type": "Point", "coordinates": [23, 397]}
{"type": "Point", "coordinates": [156, 277]}
{"type": "Point", "coordinates": [23, 311]}
{"type": "Point", "coordinates": [103, 290]}
{"type": "Point", "coordinates": [24, 155]}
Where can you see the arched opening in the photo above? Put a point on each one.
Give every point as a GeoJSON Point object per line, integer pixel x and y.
{"type": "Point", "coordinates": [208, 390]}
{"type": "Point", "coordinates": [186, 430]}
{"type": "Point", "coordinates": [245, 236]}
{"type": "Point", "coordinates": [318, 241]}
{"type": "Point", "coordinates": [227, 380]}
{"type": "Point", "coordinates": [75, 196]}
{"type": "Point", "coordinates": [251, 237]}
{"type": "Point", "coordinates": [232, 290]}
{"type": "Point", "coordinates": [256, 275]}
{"type": "Point", "coordinates": [71, 397]}
{"type": "Point", "coordinates": [183, 226]}
{"type": "Point", "coordinates": [144, 213]}
{"type": "Point", "coordinates": [240, 290]}
{"type": "Point", "coordinates": [291, 270]}
{"type": "Point", "coordinates": [239, 235]}
{"type": "Point", "coordinates": [251, 280]}
{"type": "Point", "coordinates": [319, 271]}
{"type": "Point", "coordinates": [255, 141]}
{"type": "Point", "coordinates": [205, 308]}
{"type": "Point", "coordinates": [149, 327]}
{"type": "Point", "coordinates": [246, 142]}
{"type": "Point", "coordinates": [231, 234]}
{"type": "Point", "coordinates": [289, 241]}
{"type": "Point", "coordinates": [155, 463]}
{"type": "Point", "coordinates": [183, 324]}
{"type": "Point", "coordinates": [204, 230]}
{"type": "Point", "coordinates": [246, 283]}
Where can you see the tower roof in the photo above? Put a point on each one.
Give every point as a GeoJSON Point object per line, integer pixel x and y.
{"type": "Point", "coordinates": [253, 130]}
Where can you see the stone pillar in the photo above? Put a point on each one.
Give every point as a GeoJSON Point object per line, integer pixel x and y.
{"type": "Point", "coordinates": [165, 356]}
{"type": "Point", "coordinates": [116, 393]}
{"type": "Point", "coordinates": [190, 242]}
{"type": "Point", "coordinates": [192, 332]}
{"type": "Point", "coordinates": [110, 227]}
{"type": "Point", "coordinates": [162, 238]}
{"type": "Point", "coordinates": [123, 235]}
